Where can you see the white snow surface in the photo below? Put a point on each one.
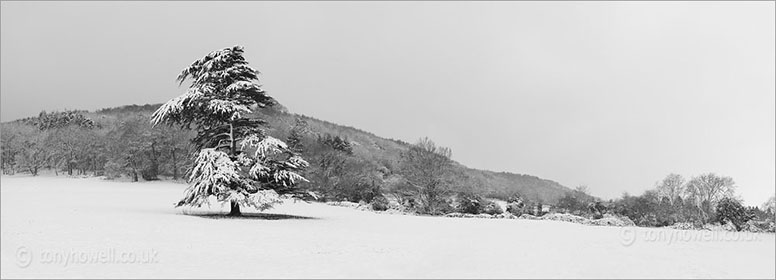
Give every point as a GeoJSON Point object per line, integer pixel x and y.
{"type": "Point", "coordinates": [42, 216]}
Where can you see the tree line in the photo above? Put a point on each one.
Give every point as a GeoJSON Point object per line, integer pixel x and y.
{"type": "Point", "coordinates": [72, 143]}
{"type": "Point", "coordinates": [705, 198]}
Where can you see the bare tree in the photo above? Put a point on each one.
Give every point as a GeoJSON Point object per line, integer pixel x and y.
{"type": "Point", "coordinates": [10, 145]}
{"type": "Point", "coordinates": [425, 167]}
{"type": "Point", "coordinates": [32, 152]}
{"type": "Point", "coordinates": [708, 189]}
{"type": "Point", "coordinates": [671, 187]}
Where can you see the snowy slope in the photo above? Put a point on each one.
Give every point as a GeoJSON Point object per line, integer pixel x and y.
{"type": "Point", "coordinates": [46, 217]}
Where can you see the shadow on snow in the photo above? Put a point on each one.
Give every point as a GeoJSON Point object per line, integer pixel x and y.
{"type": "Point", "coordinates": [253, 216]}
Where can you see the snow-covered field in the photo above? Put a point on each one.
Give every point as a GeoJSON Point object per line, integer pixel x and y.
{"type": "Point", "coordinates": [90, 228]}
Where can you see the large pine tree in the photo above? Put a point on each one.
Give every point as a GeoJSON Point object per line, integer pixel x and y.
{"type": "Point", "coordinates": [237, 162]}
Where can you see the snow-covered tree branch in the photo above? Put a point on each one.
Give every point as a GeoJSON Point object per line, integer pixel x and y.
{"type": "Point", "coordinates": [237, 162]}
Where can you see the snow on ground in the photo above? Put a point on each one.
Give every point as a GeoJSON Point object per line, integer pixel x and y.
{"type": "Point", "coordinates": [121, 229]}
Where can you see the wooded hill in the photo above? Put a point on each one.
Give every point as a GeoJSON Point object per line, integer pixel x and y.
{"type": "Point", "coordinates": [370, 153]}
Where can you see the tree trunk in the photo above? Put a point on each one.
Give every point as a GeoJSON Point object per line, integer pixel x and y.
{"type": "Point", "coordinates": [235, 209]}
{"type": "Point", "coordinates": [174, 166]}
{"type": "Point", "coordinates": [233, 147]}
{"type": "Point", "coordinates": [154, 163]}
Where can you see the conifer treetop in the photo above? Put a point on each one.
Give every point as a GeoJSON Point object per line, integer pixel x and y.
{"type": "Point", "coordinates": [223, 88]}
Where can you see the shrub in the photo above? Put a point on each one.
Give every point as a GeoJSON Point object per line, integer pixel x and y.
{"type": "Point", "coordinates": [380, 203]}
{"type": "Point", "coordinates": [443, 207]}
{"type": "Point", "coordinates": [409, 204]}
{"type": "Point", "coordinates": [571, 202]}
{"type": "Point", "coordinates": [113, 170]}
{"type": "Point", "coordinates": [354, 191]}
{"type": "Point", "coordinates": [648, 210]}
{"type": "Point", "coordinates": [517, 208]}
{"type": "Point", "coordinates": [597, 209]}
{"type": "Point", "coordinates": [469, 203]}
{"type": "Point", "coordinates": [492, 208]}
{"type": "Point", "coordinates": [538, 209]}
{"type": "Point", "coordinates": [758, 226]}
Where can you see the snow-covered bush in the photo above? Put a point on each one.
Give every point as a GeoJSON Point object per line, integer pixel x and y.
{"type": "Point", "coordinates": [612, 220]}
{"type": "Point", "coordinates": [719, 227]}
{"type": "Point", "coordinates": [443, 206]}
{"type": "Point", "coordinates": [517, 208]}
{"type": "Point", "coordinates": [505, 215]}
{"type": "Point", "coordinates": [754, 226]}
{"type": "Point", "coordinates": [343, 204]}
{"type": "Point", "coordinates": [566, 218]}
{"type": "Point", "coordinates": [528, 217]}
{"type": "Point", "coordinates": [684, 226]}
{"type": "Point", "coordinates": [469, 203]}
{"type": "Point", "coordinates": [492, 208]}
{"type": "Point", "coordinates": [379, 203]}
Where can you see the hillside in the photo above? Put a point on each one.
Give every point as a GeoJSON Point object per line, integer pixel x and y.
{"type": "Point", "coordinates": [386, 152]}
{"type": "Point", "coordinates": [378, 152]}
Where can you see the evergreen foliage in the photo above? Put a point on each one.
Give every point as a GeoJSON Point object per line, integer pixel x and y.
{"type": "Point", "coordinates": [469, 203]}
{"type": "Point", "coordinates": [53, 120]}
{"type": "Point", "coordinates": [296, 135]}
{"type": "Point", "coordinates": [492, 208]}
{"type": "Point", "coordinates": [731, 210]}
{"type": "Point", "coordinates": [237, 162]}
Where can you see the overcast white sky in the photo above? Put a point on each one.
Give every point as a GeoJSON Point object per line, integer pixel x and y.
{"type": "Point", "coordinates": [611, 95]}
